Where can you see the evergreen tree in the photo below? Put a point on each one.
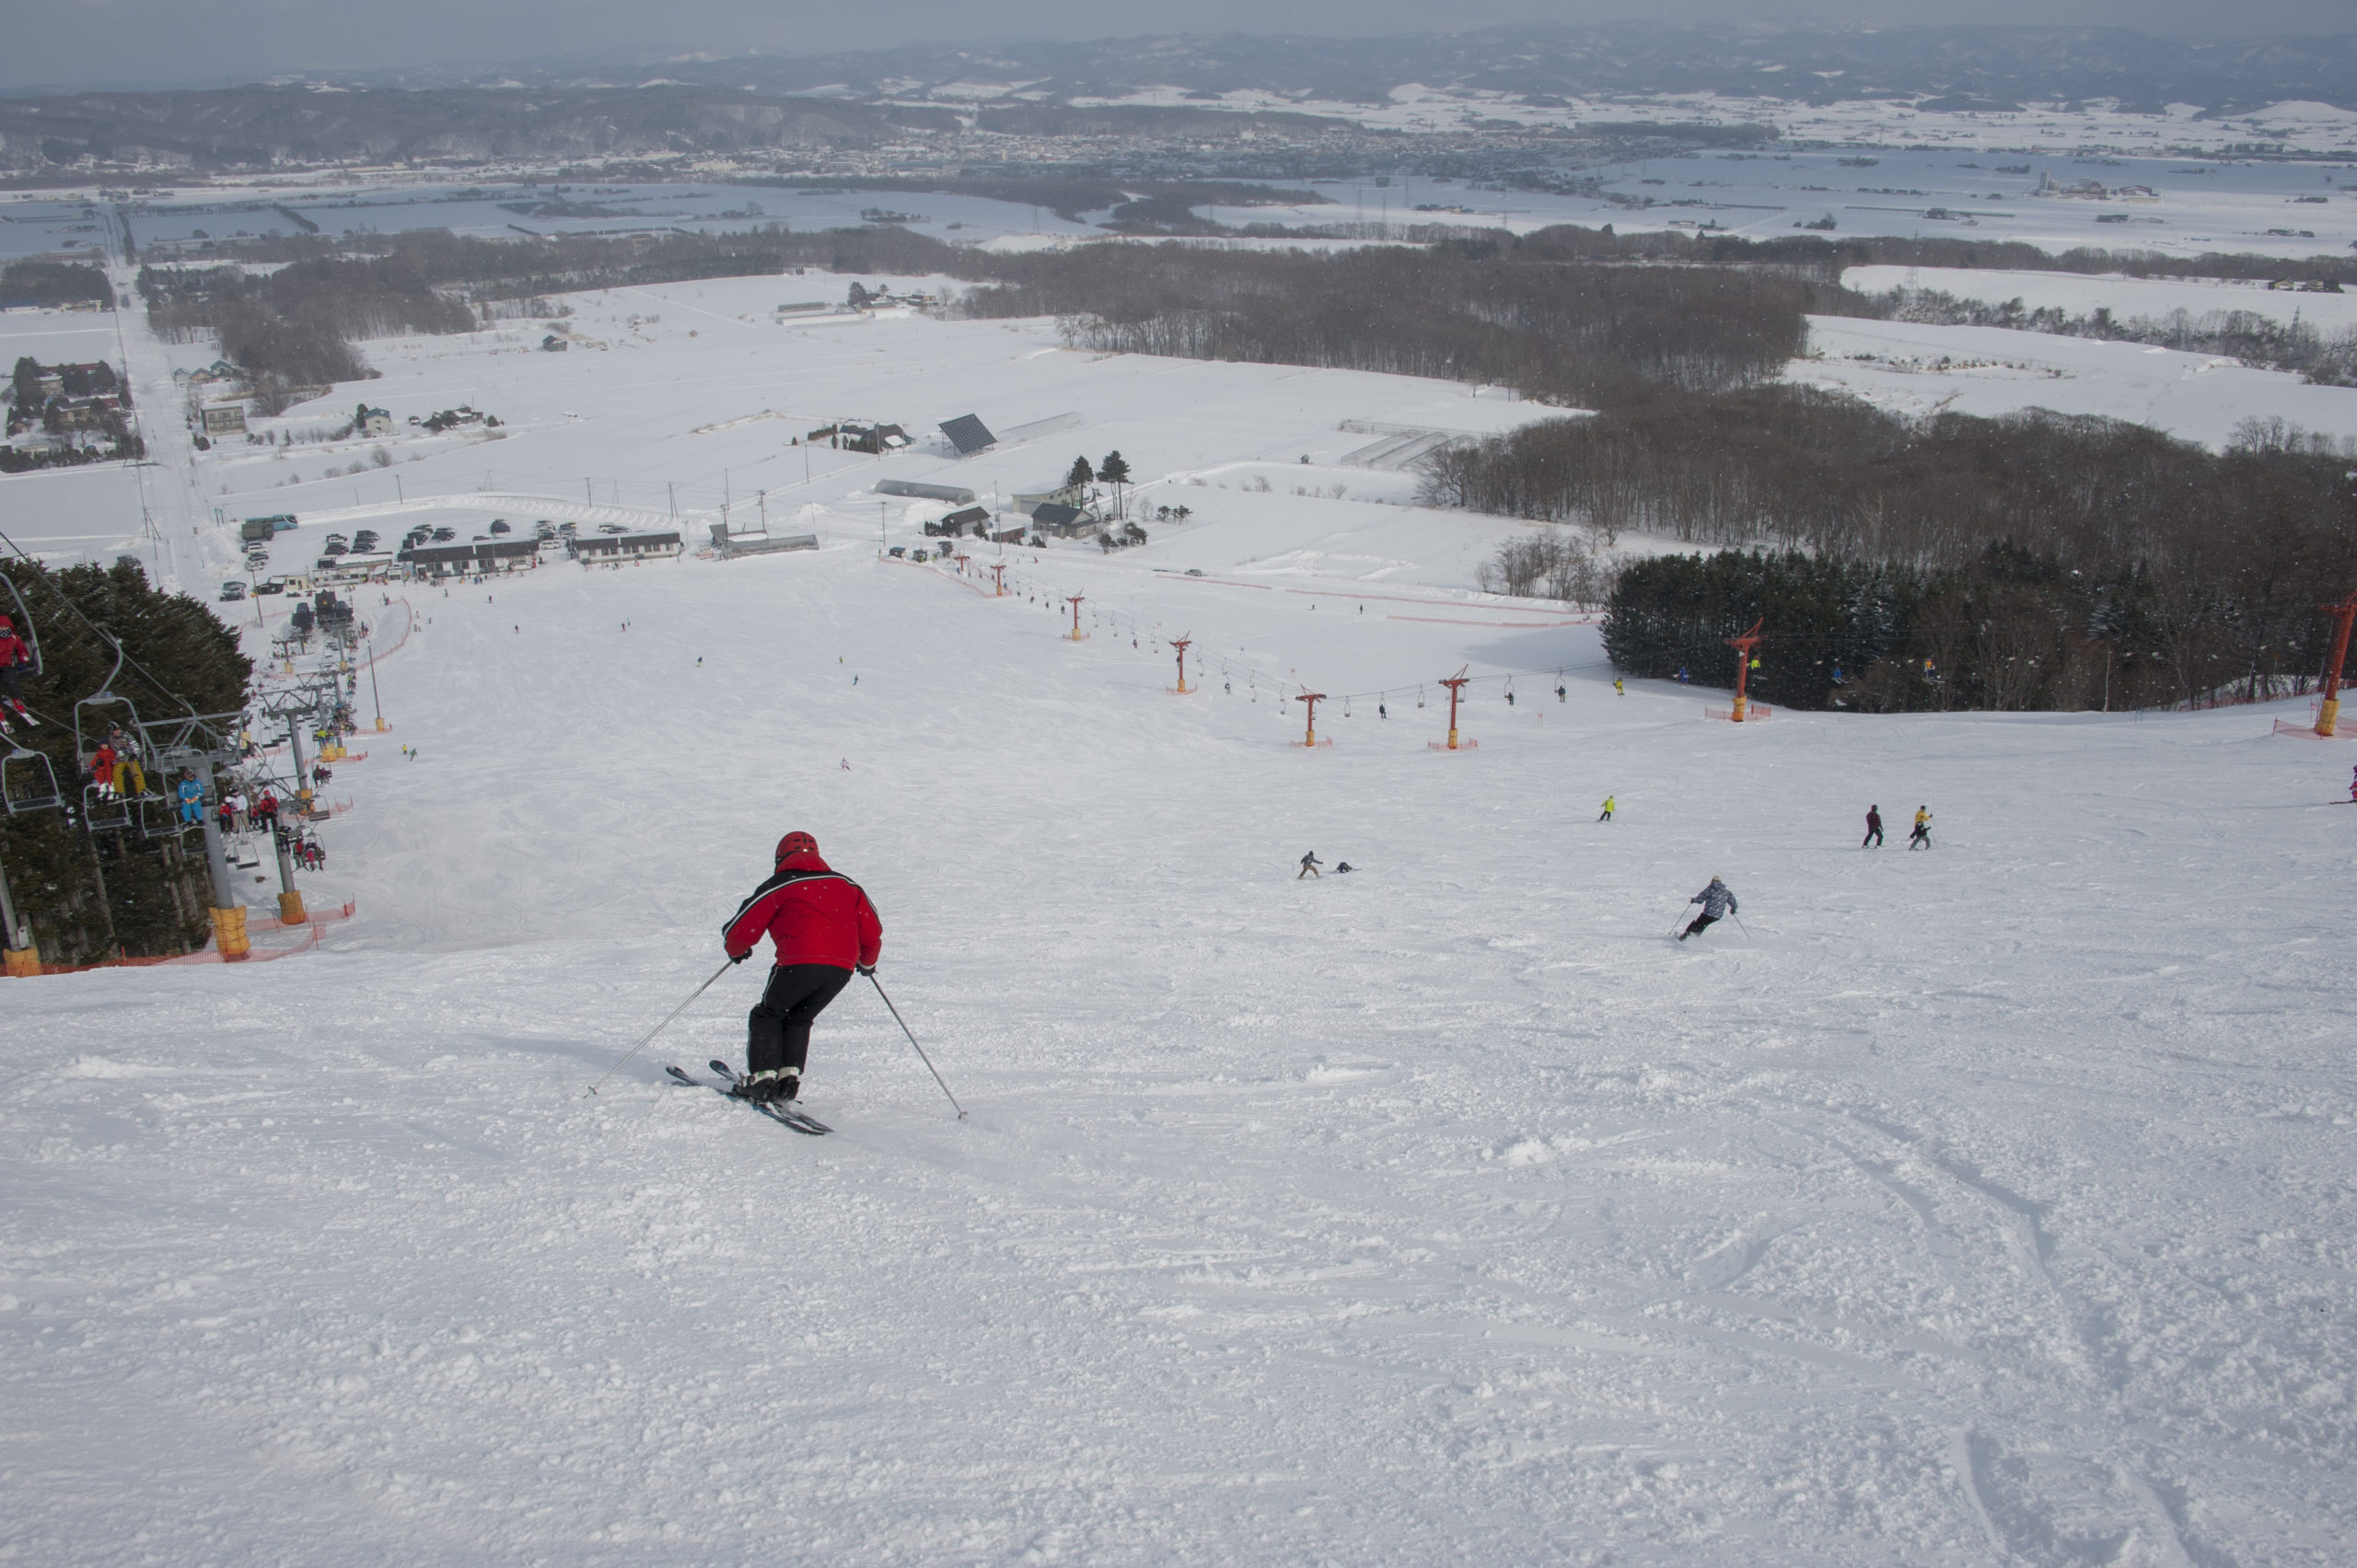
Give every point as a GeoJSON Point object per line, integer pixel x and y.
{"type": "Point", "coordinates": [1114, 472]}
{"type": "Point", "coordinates": [1080, 473]}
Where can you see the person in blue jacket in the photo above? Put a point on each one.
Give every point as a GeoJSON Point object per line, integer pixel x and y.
{"type": "Point", "coordinates": [190, 795]}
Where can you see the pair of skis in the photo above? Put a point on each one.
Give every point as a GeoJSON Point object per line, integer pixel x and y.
{"type": "Point", "coordinates": [785, 1115]}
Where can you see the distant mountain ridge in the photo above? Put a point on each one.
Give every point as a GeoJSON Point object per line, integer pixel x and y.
{"type": "Point", "coordinates": [754, 104]}
{"type": "Point", "coordinates": [1998, 64]}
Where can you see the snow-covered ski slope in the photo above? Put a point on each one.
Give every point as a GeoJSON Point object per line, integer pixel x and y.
{"type": "Point", "coordinates": [1984, 1206]}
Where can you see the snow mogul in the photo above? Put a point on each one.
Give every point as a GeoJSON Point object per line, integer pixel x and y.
{"type": "Point", "coordinates": [824, 928]}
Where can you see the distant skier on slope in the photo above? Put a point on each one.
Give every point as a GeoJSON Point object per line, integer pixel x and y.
{"type": "Point", "coordinates": [1717, 901]}
{"type": "Point", "coordinates": [16, 657]}
{"type": "Point", "coordinates": [1607, 815]}
{"type": "Point", "coordinates": [824, 927]}
{"type": "Point", "coordinates": [1921, 837]}
{"type": "Point", "coordinates": [1874, 827]}
{"type": "Point", "coordinates": [1309, 864]}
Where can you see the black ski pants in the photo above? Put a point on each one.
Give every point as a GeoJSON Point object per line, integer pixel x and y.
{"type": "Point", "coordinates": [1873, 837]}
{"type": "Point", "coordinates": [777, 1033]}
{"type": "Point", "coordinates": [1701, 924]}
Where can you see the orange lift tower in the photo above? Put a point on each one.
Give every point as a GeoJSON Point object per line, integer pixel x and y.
{"type": "Point", "coordinates": [1742, 646]}
{"type": "Point", "coordinates": [1182, 645]}
{"type": "Point", "coordinates": [2329, 711]}
{"type": "Point", "coordinates": [998, 579]}
{"type": "Point", "coordinates": [1456, 684]}
{"type": "Point", "coordinates": [1309, 733]}
{"type": "Point", "coordinates": [1076, 634]}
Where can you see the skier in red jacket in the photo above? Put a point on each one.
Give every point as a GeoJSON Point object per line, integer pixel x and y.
{"type": "Point", "coordinates": [16, 662]}
{"type": "Point", "coordinates": [824, 928]}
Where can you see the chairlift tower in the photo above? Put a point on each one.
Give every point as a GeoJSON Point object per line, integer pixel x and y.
{"type": "Point", "coordinates": [1076, 634]}
{"type": "Point", "coordinates": [1182, 645]}
{"type": "Point", "coordinates": [1456, 684]}
{"type": "Point", "coordinates": [1309, 730]}
{"type": "Point", "coordinates": [2328, 711]}
{"type": "Point", "coordinates": [1742, 646]}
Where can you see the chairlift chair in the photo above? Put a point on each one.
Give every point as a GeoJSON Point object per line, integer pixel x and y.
{"type": "Point", "coordinates": [14, 607]}
{"type": "Point", "coordinates": [99, 811]}
{"type": "Point", "coordinates": [28, 782]}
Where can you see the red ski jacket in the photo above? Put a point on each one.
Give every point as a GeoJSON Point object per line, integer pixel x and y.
{"type": "Point", "coordinates": [14, 651]}
{"type": "Point", "coordinates": [814, 913]}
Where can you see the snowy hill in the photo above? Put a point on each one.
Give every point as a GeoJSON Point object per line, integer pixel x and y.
{"type": "Point", "coordinates": [1988, 1206]}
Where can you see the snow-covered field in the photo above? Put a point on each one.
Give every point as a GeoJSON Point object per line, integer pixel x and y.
{"type": "Point", "coordinates": [2080, 294]}
{"type": "Point", "coordinates": [1989, 1205]}
{"type": "Point", "coordinates": [1917, 370]}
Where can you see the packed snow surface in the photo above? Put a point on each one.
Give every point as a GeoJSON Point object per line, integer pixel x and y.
{"type": "Point", "coordinates": [1988, 1206]}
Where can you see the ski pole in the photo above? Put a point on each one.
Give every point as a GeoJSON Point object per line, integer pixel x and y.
{"type": "Point", "coordinates": [912, 1040]}
{"type": "Point", "coordinates": [1740, 926]}
{"type": "Point", "coordinates": [657, 1030]}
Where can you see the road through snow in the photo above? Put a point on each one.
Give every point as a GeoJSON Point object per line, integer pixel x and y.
{"type": "Point", "coordinates": [1984, 1206]}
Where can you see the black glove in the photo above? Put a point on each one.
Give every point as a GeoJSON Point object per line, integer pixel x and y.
{"type": "Point", "coordinates": [741, 957]}
{"type": "Point", "coordinates": [866, 969]}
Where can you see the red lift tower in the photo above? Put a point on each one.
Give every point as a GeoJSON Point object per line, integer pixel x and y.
{"type": "Point", "coordinates": [961, 561]}
{"type": "Point", "coordinates": [1309, 734]}
{"type": "Point", "coordinates": [1182, 645]}
{"type": "Point", "coordinates": [998, 579]}
{"type": "Point", "coordinates": [1076, 634]}
{"type": "Point", "coordinates": [1742, 646]}
{"type": "Point", "coordinates": [2329, 711]}
{"type": "Point", "coordinates": [1456, 684]}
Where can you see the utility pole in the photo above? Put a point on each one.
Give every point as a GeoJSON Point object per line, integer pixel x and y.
{"type": "Point", "coordinates": [373, 695]}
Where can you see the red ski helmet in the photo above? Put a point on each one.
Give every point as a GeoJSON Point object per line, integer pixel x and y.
{"type": "Point", "coordinates": [796, 843]}
{"type": "Point", "coordinates": [6, 624]}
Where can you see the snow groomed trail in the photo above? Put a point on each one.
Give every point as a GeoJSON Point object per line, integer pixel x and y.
{"type": "Point", "coordinates": [1984, 1206]}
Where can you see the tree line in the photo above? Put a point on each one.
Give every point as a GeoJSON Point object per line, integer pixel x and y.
{"type": "Point", "coordinates": [1526, 314]}
{"type": "Point", "coordinates": [2199, 567]}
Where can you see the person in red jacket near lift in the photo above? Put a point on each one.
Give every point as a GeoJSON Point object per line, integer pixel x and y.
{"type": "Point", "coordinates": [824, 928]}
{"type": "Point", "coordinates": [16, 662]}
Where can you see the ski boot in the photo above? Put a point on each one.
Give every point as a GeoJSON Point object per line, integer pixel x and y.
{"type": "Point", "coordinates": [768, 1087]}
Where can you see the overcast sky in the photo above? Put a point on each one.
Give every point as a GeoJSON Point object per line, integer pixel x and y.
{"type": "Point", "coordinates": [45, 42]}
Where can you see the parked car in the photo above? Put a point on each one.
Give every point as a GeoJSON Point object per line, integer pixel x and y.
{"type": "Point", "coordinates": [499, 525]}
{"type": "Point", "coordinates": [366, 540]}
{"type": "Point", "coordinates": [232, 591]}
{"type": "Point", "coordinates": [612, 527]}
{"type": "Point", "coordinates": [271, 586]}
{"type": "Point", "coordinates": [443, 535]}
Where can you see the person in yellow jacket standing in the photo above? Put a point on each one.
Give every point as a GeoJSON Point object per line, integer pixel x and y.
{"type": "Point", "coordinates": [1607, 810]}
{"type": "Point", "coordinates": [1921, 837]}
